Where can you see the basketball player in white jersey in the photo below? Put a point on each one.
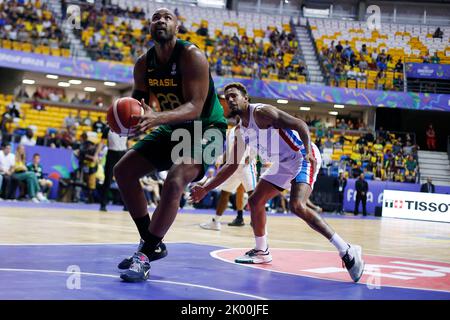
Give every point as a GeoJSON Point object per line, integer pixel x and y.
{"type": "Point", "coordinates": [296, 162]}
{"type": "Point", "coordinates": [244, 177]}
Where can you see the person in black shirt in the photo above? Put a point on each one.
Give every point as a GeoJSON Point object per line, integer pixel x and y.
{"type": "Point", "coordinates": [361, 187]}
{"type": "Point", "coordinates": [427, 187]}
{"type": "Point", "coordinates": [98, 125]}
{"type": "Point", "coordinates": [341, 184]}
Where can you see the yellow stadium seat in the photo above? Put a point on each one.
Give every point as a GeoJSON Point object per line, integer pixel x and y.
{"type": "Point", "coordinates": [45, 50]}
{"type": "Point", "coordinates": [56, 52]}
{"type": "Point", "coordinates": [6, 44]}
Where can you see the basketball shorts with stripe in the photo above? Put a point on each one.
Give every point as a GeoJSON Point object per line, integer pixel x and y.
{"type": "Point", "coordinates": [296, 170]}
{"type": "Point", "coordinates": [245, 175]}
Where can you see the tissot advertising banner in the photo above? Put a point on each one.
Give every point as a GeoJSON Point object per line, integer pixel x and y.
{"type": "Point", "coordinates": [416, 205]}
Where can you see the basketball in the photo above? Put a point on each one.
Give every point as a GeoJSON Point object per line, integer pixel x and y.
{"type": "Point", "coordinates": [120, 114]}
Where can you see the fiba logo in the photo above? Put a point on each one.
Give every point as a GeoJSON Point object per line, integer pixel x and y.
{"type": "Point", "coordinates": [396, 204]}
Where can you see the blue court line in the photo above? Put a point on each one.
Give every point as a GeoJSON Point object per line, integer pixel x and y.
{"type": "Point", "coordinates": [188, 272]}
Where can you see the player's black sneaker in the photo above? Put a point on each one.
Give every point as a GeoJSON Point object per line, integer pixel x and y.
{"type": "Point", "coordinates": [139, 269]}
{"type": "Point", "coordinates": [238, 222]}
{"type": "Point", "coordinates": [159, 253]}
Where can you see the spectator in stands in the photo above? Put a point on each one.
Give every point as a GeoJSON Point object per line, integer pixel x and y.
{"type": "Point", "coordinates": [399, 66]}
{"type": "Point", "coordinates": [21, 174]}
{"type": "Point", "coordinates": [28, 138]}
{"type": "Point", "coordinates": [435, 58]}
{"type": "Point", "coordinates": [98, 125]}
{"type": "Point", "coordinates": [13, 110]}
{"type": "Point", "coordinates": [202, 31]}
{"type": "Point", "coordinates": [36, 167]}
{"type": "Point", "coordinates": [87, 121]}
{"type": "Point", "coordinates": [78, 118]}
{"type": "Point", "coordinates": [431, 138]}
{"type": "Point", "coordinates": [182, 28]}
{"type": "Point", "coordinates": [363, 65]}
{"type": "Point", "coordinates": [399, 176]}
{"type": "Point", "coordinates": [381, 65]}
{"type": "Point", "coordinates": [438, 33]}
{"type": "Point", "coordinates": [399, 162]}
{"type": "Point", "coordinates": [363, 52]}
{"type": "Point", "coordinates": [69, 121]}
{"type": "Point", "coordinates": [7, 161]}
{"type": "Point", "coordinates": [378, 172]}
{"type": "Point", "coordinates": [68, 137]}
{"type": "Point", "coordinates": [411, 169]}
{"type": "Point", "coordinates": [380, 80]}
{"type": "Point", "coordinates": [328, 144]}
{"type": "Point", "coordinates": [76, 99]}
{"type": "Point", "coordinates": [426, 58]}
{"type": "Point", "coordinates": [368, 175]}
{"type": "Point", "coordinates": [428, 187]}
{"type": "Point", "coordinates": [338, 73]}
{"type": "Point", "coordinates": [339, 48]}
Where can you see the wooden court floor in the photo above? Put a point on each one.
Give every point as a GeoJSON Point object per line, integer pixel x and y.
{"type": "Point", "coordinates": [378, 236]}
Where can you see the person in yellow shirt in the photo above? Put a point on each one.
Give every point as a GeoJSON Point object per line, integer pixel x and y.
{"type": "Point", "coordinates": [399, 176]}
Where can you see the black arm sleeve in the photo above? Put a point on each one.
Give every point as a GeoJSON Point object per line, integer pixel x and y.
{"type": "Point", "coordinates": [139, 95]}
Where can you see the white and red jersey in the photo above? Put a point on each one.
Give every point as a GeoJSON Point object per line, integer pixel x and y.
{"type": "Point", "coordinates": [284, 149]}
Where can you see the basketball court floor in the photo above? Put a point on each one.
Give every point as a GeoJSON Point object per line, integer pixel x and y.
{"type": "Point", "coordinates": [71, 251]}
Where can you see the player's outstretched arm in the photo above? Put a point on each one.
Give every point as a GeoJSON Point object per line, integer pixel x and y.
{"type": "Point", "coordinates": [230, 167]}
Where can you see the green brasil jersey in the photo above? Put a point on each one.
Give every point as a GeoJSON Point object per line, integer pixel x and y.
{"type": "Point", "coordinates": [166, 83]}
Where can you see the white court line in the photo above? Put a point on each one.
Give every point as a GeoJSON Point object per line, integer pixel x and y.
{"type": "Point", "coordinates": [156, 281]}
{"type": "Point", "coordinates": [214, 254]}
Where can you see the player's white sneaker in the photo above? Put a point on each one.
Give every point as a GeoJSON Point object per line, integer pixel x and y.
{"type": "Point", "coordinates": [212, 225]}
{"type": "Point", "coordinates": [353, 262]}
{"type": "Point", "coordinates": [255, 257]}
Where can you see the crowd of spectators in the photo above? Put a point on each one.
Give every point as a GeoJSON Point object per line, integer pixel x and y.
{"type": "Point", "coordinates": [31, 23]}
{"type": "Point", "coordinates": [341, 62]}
{"type": "Point", "coordinates": [381, 155]}
{"type": "Point", "coordinates": [110, 42]}
{"type": "Point", "coordinates": [241, 56]}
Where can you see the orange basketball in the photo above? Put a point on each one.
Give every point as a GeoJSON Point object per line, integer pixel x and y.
{"type": "Point", "coordinates": [120, 114]}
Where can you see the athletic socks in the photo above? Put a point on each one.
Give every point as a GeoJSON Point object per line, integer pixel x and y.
{"type": "Point", "coordinates": [142, 224]}
{"type": "Point", "coordinates": [261, 243]}
{"type": "Point", "coordinates": [150, 241]}
{"type": "Point", "coordinates": [239, 214]}
{"type": "Point", "coordinates": [217, 218]}
{"type": "Point", "coordinates": [340, 244]}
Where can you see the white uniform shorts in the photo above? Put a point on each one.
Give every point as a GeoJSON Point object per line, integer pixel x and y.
{"type": "Point", "coordinates": [297, 170]}
{"type": "Point", "coordinates": [245, 175]}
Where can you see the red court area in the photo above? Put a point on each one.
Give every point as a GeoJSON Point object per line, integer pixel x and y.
{"type": "Point", "coordinates": [379, 270]}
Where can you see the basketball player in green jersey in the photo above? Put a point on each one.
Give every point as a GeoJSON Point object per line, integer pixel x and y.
{"type": "Point", "coordinates": [177, 73]}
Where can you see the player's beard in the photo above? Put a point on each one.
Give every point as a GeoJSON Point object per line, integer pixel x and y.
{"type": "Point", "coordinates": [162, 37]}
{"type": "Point", "coordinates": [233, 113]}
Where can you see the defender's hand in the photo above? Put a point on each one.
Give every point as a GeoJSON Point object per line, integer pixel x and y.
{"type": "Point", "coordinates": [198, 193]}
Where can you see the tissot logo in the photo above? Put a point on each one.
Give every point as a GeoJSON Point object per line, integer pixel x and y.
{"type": "Point", "coordinates": [397, 204]}
{"type": "Point", "coordinates": [417, 205]}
